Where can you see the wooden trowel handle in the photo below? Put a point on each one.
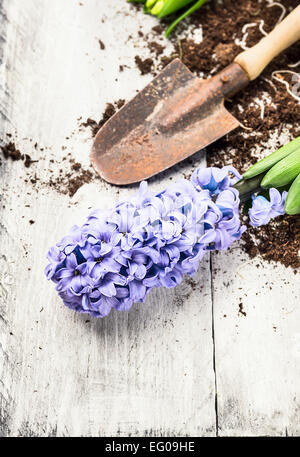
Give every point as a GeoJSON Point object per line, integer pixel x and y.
{"type": "Point", "coordinates": [254, 60]}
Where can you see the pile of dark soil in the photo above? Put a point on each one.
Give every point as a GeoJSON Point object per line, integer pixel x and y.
{"type": "Point", "coordinates": [278, 241]}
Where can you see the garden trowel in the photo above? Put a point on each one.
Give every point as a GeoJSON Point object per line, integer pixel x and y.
{"type": "Point", "coordinates": [178, 114]}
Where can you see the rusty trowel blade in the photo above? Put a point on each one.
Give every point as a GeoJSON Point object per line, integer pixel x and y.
{"type": "Point", "coordinates": [176, 115]}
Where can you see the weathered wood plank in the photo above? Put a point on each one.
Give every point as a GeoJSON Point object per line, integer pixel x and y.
{"type": "Point", "coordinates": [148, 372]}
{"type": "Point", "coordinates": [257, 353]}
{"type": "Point", "coordinates": [151, 371]}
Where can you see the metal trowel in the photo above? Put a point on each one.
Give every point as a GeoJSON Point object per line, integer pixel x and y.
{"type": "Point", "coordinates": [178, 114]}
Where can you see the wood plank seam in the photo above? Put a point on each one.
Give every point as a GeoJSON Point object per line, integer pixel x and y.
{"type": "Point", "coordinates": [214, 342]}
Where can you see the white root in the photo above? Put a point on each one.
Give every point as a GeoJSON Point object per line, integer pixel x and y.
{"type": "Point", "coordinates": [280, 6]}
{"type": "Point", "coordinates": [285, 83]}
{"type": "Point", "coordinates": [294, 65]}
{"type": "Point", "coordinates": [247, 26]}
{"type": "Point", "coordinates": [261, 104]}
{"type": "Point", "coordinates": [261, 28]}
{"type": "Point", "coordinates": [270, 82]}
{"type": "Point", "coordinates": [244, 127]}
{"type": "Point", "coordinates": [243, 42]}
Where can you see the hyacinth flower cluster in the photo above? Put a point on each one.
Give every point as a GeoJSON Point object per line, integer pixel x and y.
{"type": "Point", "coordinates": [153, 240]}
{"type": "Point", "coordinates": [119, 255]}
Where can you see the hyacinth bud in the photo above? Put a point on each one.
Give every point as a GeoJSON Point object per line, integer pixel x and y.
{"type": "Point", "coordinates": [162, 8]}
{"type": "Point", "coordinates": [150, 3]}
{"type": "Point", "coordinates": [284, 172]}
{"type": "Point", "coordinates": [268, 162]}
{"type": "Point", "coordinates": [292, 204]}
{"type": "Point", "coordinates": [157, 8]}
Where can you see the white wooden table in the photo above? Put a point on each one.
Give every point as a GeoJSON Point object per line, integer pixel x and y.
{"type": "Point", "coordinates": [172, 366]}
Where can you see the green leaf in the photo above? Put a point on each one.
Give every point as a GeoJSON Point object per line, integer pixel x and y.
{"type": "Point", "coordinates": [284, 172]}
{"type": "Point", "coordinates": [268, 162]}
{"type": "Point", "coordinates": [292, 204]}
{"type": "Point", "coordinates": [196, 6]}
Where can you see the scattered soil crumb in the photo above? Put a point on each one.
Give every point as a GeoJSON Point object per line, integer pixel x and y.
{"type": "Point", "coordinates": [156, 48]}
{"type": "Point", "coordinates": [76, 182]}
{"type": "Point", "coordinates": [101, 44]}
{"type": "Point", "coordinates": [66, 180]}
{"type": "Point", "coordinates": [144, 65]}
{"type": "Point", "coordinates": [10, 151]}
{"type": "Point", "coordinates": [158, 29]}
{"type": "Point", "coordinates": [191, 282]}
{"type": "Point", "coordinates": [110, 110]}
{"type": "Point", "coordinates": [76, 166]}
{"type": "Point", "coordinates": [241, 309]}
{"type": "Point", "coordinates": [27, 160]}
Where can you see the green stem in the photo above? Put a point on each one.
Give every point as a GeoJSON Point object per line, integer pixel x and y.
{"type": "Point", "coordinates": [248, 187]}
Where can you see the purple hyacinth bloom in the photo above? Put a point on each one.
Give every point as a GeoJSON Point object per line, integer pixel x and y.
{"type": "Point", "coordinates": [127, 225]}
{"type": "Point", "coordinates": [101, 259]}
{"type": "Point", "coordinates": [263, 210]}
{"type": "Point", "coordinates": [214, 179]}
{"type": "Point", "coordinates": [72, 276]}
{"type": "Point", "coordinates": [138, 265]}
{"type": "Point", "coordinates": [153, 240]}
{"type": "Point", "coordinates": [98, 304]}
{"type": "Point", "coordinates": [69, 243]}
{"type": "Point", "coordinates": [56, 259]}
